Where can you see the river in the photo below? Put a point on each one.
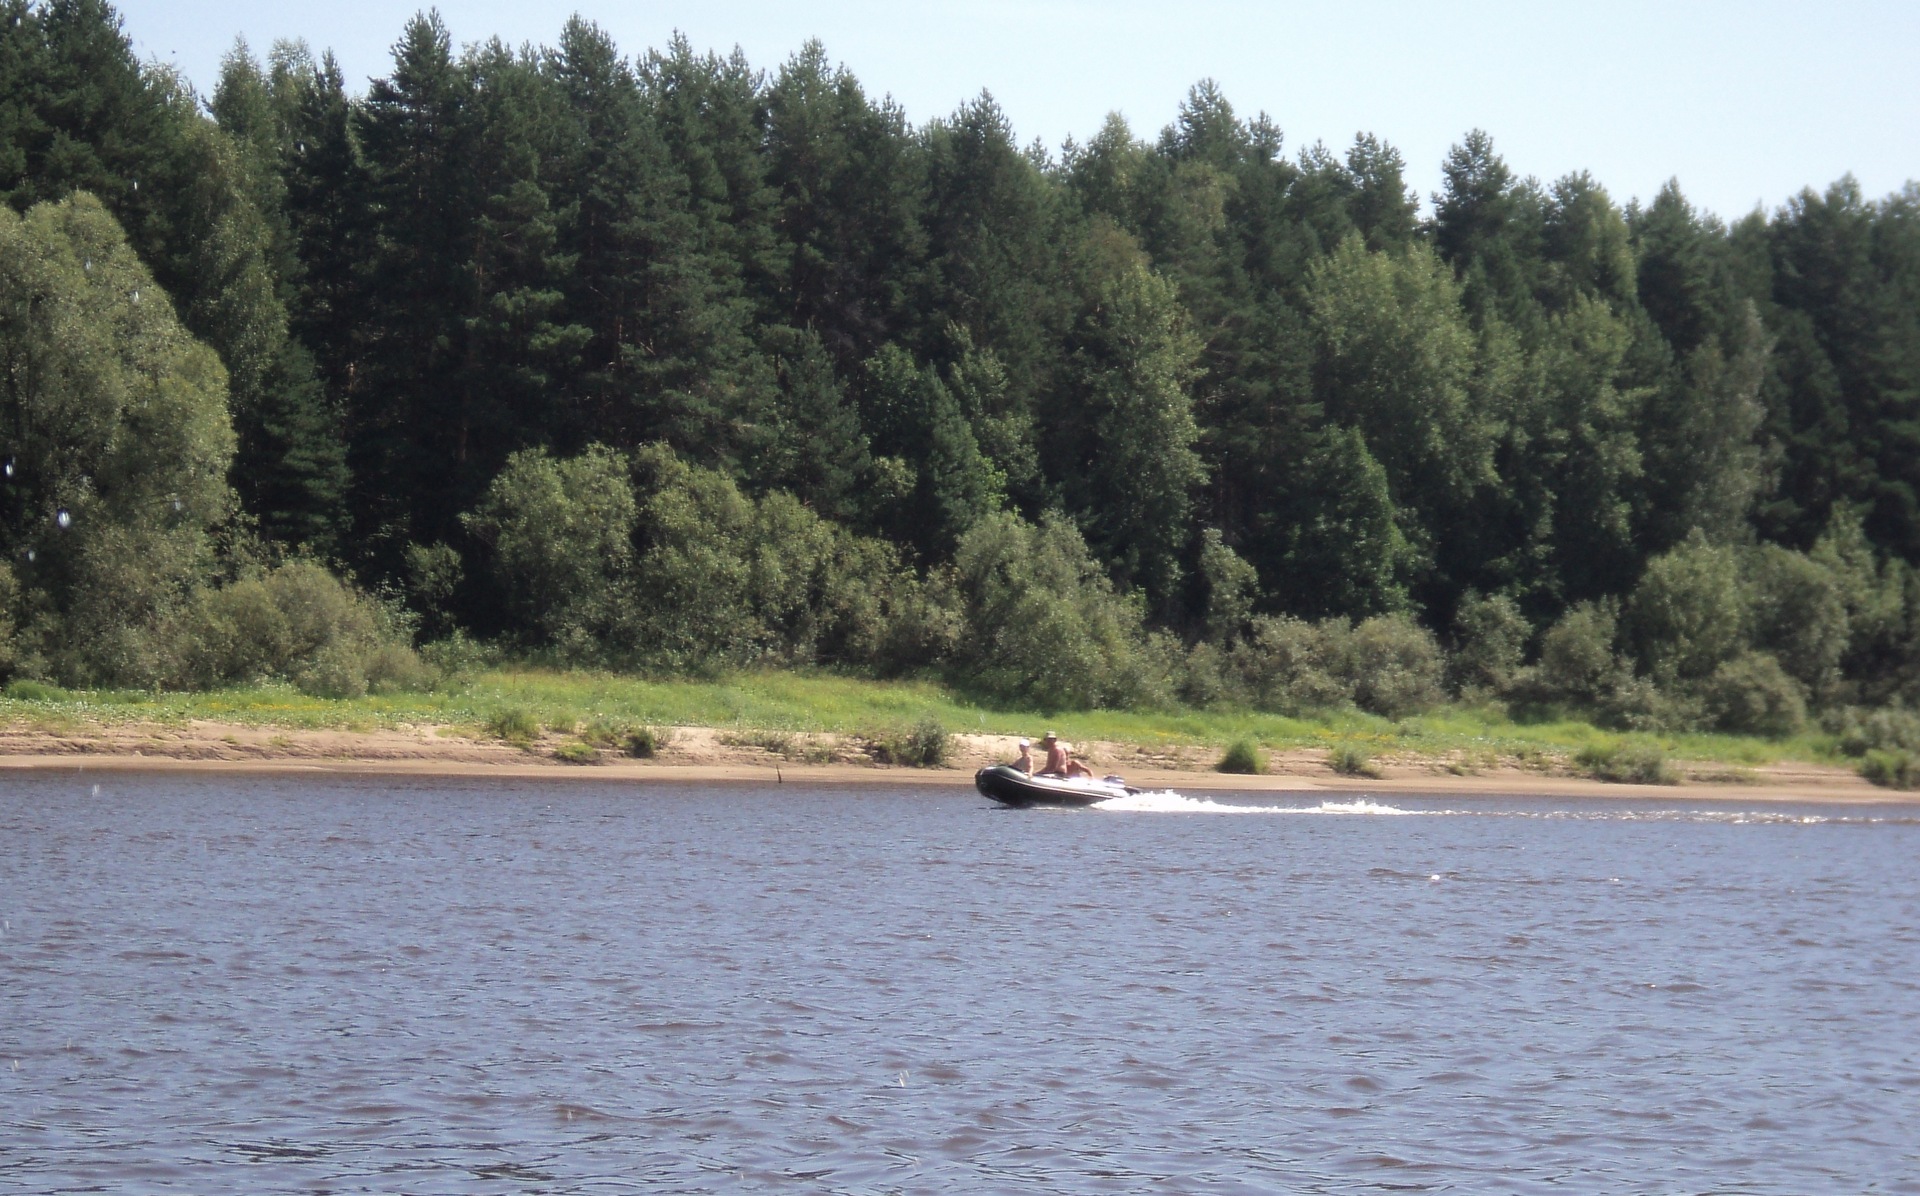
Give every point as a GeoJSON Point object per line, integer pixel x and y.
{"type": "Point", "coordinates": [215, 983]}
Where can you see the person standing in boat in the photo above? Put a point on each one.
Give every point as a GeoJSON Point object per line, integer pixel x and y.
{"type": "Point", "coordinates": [1060, 762]}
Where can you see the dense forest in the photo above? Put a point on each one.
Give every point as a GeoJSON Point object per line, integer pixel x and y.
{"type": "Point", "coordinates": [674, 363]}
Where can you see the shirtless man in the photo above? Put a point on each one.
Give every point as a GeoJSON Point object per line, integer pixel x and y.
{"type": "Point", "coordinates": [1060, 763]}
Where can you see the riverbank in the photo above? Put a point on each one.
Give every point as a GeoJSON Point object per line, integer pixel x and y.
{"type": "Point", "coordinates": [707, 754]}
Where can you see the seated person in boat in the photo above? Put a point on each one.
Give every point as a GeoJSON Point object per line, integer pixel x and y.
{"type": "Point", "coordinates": [1060, 762]}
{"type": "Point", "coordinates": [1024, 762]}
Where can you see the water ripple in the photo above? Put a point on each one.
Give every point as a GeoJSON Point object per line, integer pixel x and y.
{"type": "Point", "coordinates": [215, 984]}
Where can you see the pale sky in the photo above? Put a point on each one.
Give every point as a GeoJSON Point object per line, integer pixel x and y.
{"type": "Point", "coordinates": [1746, 103]}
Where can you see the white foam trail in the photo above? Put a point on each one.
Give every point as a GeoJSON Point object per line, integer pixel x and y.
{"type": "Point", "coordinates": [1166, 801]}
{"type": "Point", "coordinates": [1360, 806]}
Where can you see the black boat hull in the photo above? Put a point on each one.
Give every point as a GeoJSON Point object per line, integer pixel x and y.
{"type": "Point", "coordinates": [1009, 786]}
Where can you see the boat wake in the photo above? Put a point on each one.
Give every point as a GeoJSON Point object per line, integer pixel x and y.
{"type": "Point", "coordinates": [1166, 801]}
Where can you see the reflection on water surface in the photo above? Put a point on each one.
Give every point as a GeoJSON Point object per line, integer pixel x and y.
{"type": "Point", "coordinates": [263, 984]}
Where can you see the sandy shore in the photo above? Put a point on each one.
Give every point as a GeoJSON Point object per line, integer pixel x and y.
{"type": "Point", "coordinates": [701, 754]}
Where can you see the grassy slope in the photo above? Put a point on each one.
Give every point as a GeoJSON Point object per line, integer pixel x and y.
{"type": "Point", "coordinates": [810, 701]}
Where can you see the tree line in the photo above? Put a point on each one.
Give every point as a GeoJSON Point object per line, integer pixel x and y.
{"type": "Point", "coordinates": [671, 362]}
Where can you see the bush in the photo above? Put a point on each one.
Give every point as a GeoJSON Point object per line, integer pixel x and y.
{"type": "Point", "coordinates": [1290, 666]}
{"type": "Point", "coordinates": [1244, 757]}
{"type": "Point", "coordinates": [778, 743]}
{"type": "Point", "coordinates": [9, 620]}
{"type": "Point", "coordinates": [1232, 586]}
{"type": "Point", "coordinates": [1577, 661]}
{"type": "Point", "coordinates": [1202, 677]}
{"type": "Point", "coordinates": [1043, 625]}
{"type": "Point", "coordinates": [1859, 731]}
{"type": "Point", "coordinates": [577, 752]}
{"type": "Point", "coordinates": [602, 733]}
{"type": "Point", "coordinates": [1637, 704]}
{"type": "Point", "coordinates": [1799, 613]}
{"type": "Point", "coordinates": [643, 743]}
{"type": "Point", "coordinates": [1395, 666]}
{"type": "Point", "coordinates": [514, 725]}
{"type": "Point", "coordinates": [1892, 770]}
{"type": "Point", "coordinates": [924, 745]}
{"type": "Point", "coordinates": [1388, 665]}
{"type": "Point", "coordinates": [23, 690]}
{"type": "Point", "coordinates": [1626, 764]}
{"type": "Point", "coordinates": [1491, 636]}
{"type": "Point", "coordinates": [296, 623]}
{"type": "Point", "coordinates": [561, 540]}
{"type": "Point", "coordinates": [1689, 613]}
{"type": "Point", "coordinates": [1752, 695]}
{"type": "Point", "coordinates": [1351, 760]}
{"type": "Point", "coordinates": [646, 559]}
{"type": "Point", "coordinates": [457, 657]}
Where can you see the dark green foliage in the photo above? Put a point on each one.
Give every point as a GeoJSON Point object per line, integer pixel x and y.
{"type": "Point", "coordinates": [1345, 551]}
{"type": "Point", "coordinates": [1396, 356]}
{"type": "Point", "coordinates": [22, 690]}
{"type": "Point", "coordinates": [1490, 643]}
{"type": "Point", "coordinates": [1845, 293]}
{"type": "Point", "coordinates": [1578, 664]}
{"type": "Point", "coordinates": [116, 439]}
{"type": "Point", "coordinates": [1798, 613]}
{"type": "Point", "coordinates": [1122, 439]}
{"type": "Point", "coordinates": [296, 623]}
{"type": "Point", "coordinates": [1387, 665]}
{"type": "Point", "coordinates": [1689, 613]}
{"type": "Point", "coordinates": [1244, 757]}
{"type": "Point", "coordinates": [1291, 666]}
{"type": "Point", "coordinates": [850, 182]}
{"type": "Point", "coordinates": [993, 265]}
{"type": "Point", "coordinates": [672, 363]}
{"type": "Point", "coordinates": [643, 559]}
{"type": "Point", "coordinates": [1042, 624]}
{"type": "Point", "coordinates": [1396, 666]}
{"type": "Point", "coordinates": [1752, 695]}
{"type": "Point", "coordinates": [1232, 587]}
{"type": "Point", "coordinates": [1861, 731]}
{"type": "Point", "coordinates": [561, 537]}
{"type": "Point", "coordinates": [79, 113]}
{"type": "Point", "coordinates": [949, 484]}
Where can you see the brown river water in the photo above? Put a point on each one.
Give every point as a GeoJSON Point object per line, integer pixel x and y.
{"type": "Point", "coordinates": [218, 984]}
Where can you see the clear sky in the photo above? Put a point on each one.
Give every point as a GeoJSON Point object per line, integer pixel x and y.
{"type": "Point", "coordinates": [1745, 103]}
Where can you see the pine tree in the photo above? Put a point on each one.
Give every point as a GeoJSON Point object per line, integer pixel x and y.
{"type": "Point", "coordinates": [1844, 285]}
{"type": "Point", "coordinates": [1488, 226]}
{"type": "Point", "coordinates": [412, 417]}
{"type": "Point", "coordinates": [919, 426]}
{"type": "Point", "coordinates": [329, 219]}
{"type": "Point", "coordinates": [849, 176]}
{"type": "Point", "coordinates": [994, 269]}
{"type": "Point", "coordinates": [1121, 443]}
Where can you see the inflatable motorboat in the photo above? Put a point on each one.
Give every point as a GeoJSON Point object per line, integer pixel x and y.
{"type": "Point", "coordinates": [1009, 786]}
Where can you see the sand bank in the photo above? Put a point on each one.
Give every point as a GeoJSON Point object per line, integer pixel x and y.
{"type": "Point", "coordinates": [701, 754]}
